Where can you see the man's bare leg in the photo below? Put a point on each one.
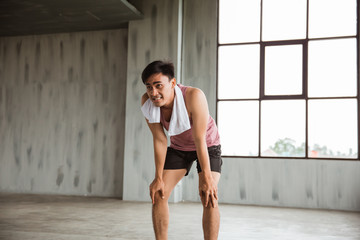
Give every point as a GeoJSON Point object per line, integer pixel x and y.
{"type": "Point", "coordinates": [211, 215]}
{"type": "Point", "coordinates": [160, 210]}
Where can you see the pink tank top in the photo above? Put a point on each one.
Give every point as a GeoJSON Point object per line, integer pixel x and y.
{"type": "Point", "coordinates": [185, 140]}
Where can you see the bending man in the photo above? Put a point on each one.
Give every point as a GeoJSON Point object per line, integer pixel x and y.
{"type": "Point", "coordinates": [183, 112]}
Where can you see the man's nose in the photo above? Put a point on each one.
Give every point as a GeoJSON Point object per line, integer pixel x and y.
{"type": "Point", "coordinates": [153, 92]}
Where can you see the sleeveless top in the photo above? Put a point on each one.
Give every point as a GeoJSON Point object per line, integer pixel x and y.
{"type": "Point", "coordinates": [185, 141]}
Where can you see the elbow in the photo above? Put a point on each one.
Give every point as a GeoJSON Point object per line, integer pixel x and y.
{"type": "Point", "coordinates": [160, 140]}
{"type": "Point", "coordinates": [199, 140]}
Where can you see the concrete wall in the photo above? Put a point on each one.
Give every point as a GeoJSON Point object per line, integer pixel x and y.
{"type": "Point", "coordinates": [199, 48]}
{"type": "Point", "coordinates": [62, 105]}
{"type": "Point", "coordinates": [154, 37]}
{"type": "Point", "coordinates": [199, 65]}
{"type": "Point", "coordinates": [325, 184]}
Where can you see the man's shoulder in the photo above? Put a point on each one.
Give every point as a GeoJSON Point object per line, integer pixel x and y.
{"type": "Point", "coordinates": [144, 98]}
{"type": "Point", "coordinates": [194, 97]}
{"type": "Point", "coordinates": [193, 92]}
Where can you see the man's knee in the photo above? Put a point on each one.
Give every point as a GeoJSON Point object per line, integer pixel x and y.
{"type": "Point", "coordinates": [160, 198]}
{"type": "Point", "coordinates": [212, 202]}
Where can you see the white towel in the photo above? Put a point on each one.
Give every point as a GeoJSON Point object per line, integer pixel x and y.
{"type": "Point", "coordinates": [151, 112]}
{"type": "Point", "coordinates": [179, 121]}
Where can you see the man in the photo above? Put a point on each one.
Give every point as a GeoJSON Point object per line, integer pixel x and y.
{"type": "Point", "coordinates": [183, 112]}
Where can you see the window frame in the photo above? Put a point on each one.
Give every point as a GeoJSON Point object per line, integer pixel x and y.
{"type": "Point", "coordinates": [263, 45]}
{"type": "Point", "coordinates": [304, 96]}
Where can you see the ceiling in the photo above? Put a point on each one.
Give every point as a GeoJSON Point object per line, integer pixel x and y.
{"type": "Point", "coordinates": [28, 17]}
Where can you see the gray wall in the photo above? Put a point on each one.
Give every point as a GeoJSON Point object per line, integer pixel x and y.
{"type": "Point", "coordinates": [62, 105]}
{"type": "Point", "coordinates": [199, 65]}
{"type": "Point", "coordinates": [154, 37]}
{"type": "Point", "coordinates": [325, 184]}
{"type": "Point", "coordinates": [199, 48]}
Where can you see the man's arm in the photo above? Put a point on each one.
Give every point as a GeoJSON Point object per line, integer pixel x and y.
{"type": "Point", "coordinates": [160, 148]}
{"type": "Point", "coordinates": [198, 108]}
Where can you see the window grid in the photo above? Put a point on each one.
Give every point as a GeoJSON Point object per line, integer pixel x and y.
{"type": "Point", "coordinates": [304, 95]}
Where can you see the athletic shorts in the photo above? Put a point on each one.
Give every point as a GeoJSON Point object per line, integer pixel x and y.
{"type": "Point", "coordinates": [177, 159]}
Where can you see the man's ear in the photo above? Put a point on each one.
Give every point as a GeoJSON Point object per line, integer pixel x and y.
{"type": "Point", "coordinates": [173, 82]}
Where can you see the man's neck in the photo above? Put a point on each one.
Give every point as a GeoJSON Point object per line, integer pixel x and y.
{"type": "Point", "coordinates": [170, 105]}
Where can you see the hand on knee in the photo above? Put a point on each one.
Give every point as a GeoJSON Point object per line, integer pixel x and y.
{"type": "Point", "coordinates": [208, 201]}
{"type": "Point", "coordinates": [160, 197]}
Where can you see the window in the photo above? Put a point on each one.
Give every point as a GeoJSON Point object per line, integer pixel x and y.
{"type": "Point", "coordinates": [288, 78]}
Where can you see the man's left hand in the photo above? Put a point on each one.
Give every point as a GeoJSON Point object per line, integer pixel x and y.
{"type": "Point", "coordinates": [207, 190]}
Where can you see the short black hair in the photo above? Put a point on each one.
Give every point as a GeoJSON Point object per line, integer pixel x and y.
{"type": "Point", "coordinates": [164, 67]}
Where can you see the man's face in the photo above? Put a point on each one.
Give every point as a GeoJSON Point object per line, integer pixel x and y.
{"type": "Point", "coordinates": [160, 90]}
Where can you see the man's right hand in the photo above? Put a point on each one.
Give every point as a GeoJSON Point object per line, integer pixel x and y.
{"type": "Point", "coordinates": [157, 185]}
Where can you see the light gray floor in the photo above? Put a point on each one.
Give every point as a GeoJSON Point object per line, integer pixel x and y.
{"type": "Point", "coordinates": [42, 217]}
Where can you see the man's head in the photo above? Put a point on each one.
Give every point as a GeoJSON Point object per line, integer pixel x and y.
{"type": "Point", "coordinates": [165, 68]}
{"type": "Point", "coordinates": [159, 79]}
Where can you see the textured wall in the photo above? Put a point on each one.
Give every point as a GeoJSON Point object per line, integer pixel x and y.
{"type": "Point", "coordinates": [291, 183]}
{"type": "Point", "coordinates": [154, 37]}
{"type": "Point", "coordinates": [199, 65]}
{"type": "Point", "coordinates": [62, 105]}
{"type": "Point", "coordinates": [200, 47]}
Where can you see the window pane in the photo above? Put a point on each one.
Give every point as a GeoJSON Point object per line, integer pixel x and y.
{"type": "Point", "coordinates": [239, 21]}
{"type": "Point", "coordinates": [239, 71]}
{"type": "Point", "coordinates": [332, 68]}
{"type": "Point", "coordinates": [238, 124]}
{"type": "Point", "coordinates": [330, 18]}
{"type": "Point", "coordinates": [283, 128]}
{"type": "Point", "coordinates": [284, 19]}
{"type": "Point", "coordinates": [333, 128]}
{"type": "Point", "coordinates": [283, 70]}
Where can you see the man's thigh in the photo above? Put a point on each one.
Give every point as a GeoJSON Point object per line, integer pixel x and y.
{"type": "Point", "coordinates": [177, 159]}
{"type": "Point", "coordinates": [216, 177]}
{"type": "Point", "coordinates": [214, 158]}
{"type": "Point", "coordinates": [171, 178]}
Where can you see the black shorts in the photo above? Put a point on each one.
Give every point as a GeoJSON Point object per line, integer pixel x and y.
{"type": "Point", "coordinates": [177, 159]}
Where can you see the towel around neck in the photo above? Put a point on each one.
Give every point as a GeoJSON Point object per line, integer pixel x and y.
{"type": "Point", "coordinates": [179, 121]}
